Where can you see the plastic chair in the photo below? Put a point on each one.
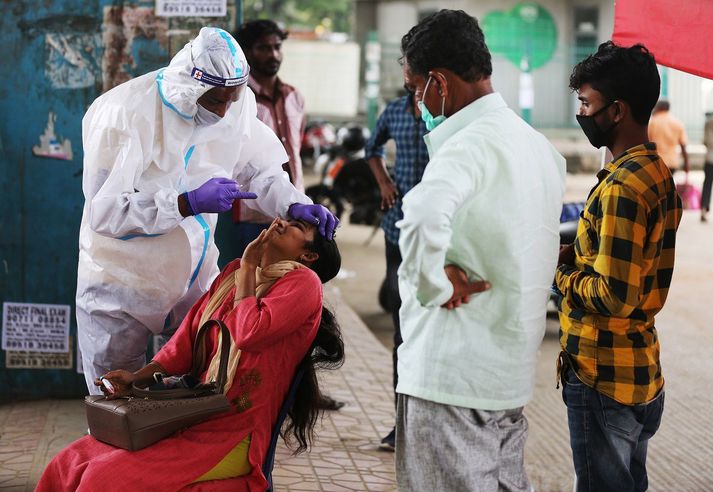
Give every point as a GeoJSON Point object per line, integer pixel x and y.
{"type": "Point", "coordinates": [286, 405]}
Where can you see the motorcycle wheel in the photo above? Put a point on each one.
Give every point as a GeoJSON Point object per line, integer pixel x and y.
{"type": "Point", "coordinates": [325, 196]}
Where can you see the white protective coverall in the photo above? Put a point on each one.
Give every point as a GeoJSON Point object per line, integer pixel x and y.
{"type": "Point", "coordinates": [142, 265]}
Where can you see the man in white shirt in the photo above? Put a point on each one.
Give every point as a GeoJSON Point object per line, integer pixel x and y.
{"type": "Point", "coordinates": [487, 208]}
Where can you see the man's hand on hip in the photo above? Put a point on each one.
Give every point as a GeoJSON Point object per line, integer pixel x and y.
{"type": "Point", "coordinates": [463, 288]}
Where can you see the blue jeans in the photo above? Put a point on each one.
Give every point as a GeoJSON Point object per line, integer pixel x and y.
{"type": "Point", "coordinates": [608, 439]}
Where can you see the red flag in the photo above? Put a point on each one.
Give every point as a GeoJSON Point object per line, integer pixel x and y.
{"type": "Point", "coordinates": [678, 32]}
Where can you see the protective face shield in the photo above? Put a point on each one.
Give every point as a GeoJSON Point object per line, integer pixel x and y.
{"type": "Point", "coordinates": [426, 115]}
{"type": "Point", "coordinates": [596, 136]}
{"type": "Point", "coordinates": [212, 59]}
{"type": "Point", "coordinates": [208, 74]}
{"type": "Point", "coordinates": [203, 117]}
{"type": "Point", "coordinates": [217, 81]}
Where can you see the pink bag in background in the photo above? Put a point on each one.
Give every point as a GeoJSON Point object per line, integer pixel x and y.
{"type": "Point", "coordinates": [690, 195]}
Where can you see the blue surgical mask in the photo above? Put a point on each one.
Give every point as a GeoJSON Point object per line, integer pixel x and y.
{"type": "Point", "coordinates": [426, 115]}
{"type": "Point", "coordinates": [203, 117]}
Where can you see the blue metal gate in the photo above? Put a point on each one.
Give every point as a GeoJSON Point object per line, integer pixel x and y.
{"type": "Point", "coordinates": [58, 57]}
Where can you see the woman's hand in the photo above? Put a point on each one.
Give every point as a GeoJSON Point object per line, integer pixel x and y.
{"type": "Point", "coordinates": [120, 379]}
{"type": "Point", "coordinates": [254, 251]}
{"type": "Point", "coordinates": [251, 259]}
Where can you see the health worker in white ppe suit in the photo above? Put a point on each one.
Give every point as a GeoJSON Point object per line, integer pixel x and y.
{"type": "Point", "coordinates": [163, 153]}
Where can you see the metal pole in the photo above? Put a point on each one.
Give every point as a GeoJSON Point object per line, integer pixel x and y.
{"type": "Point", "coordinates": [371, 76]}
{"type": "Point", "coordinates": [664, 82]}
{"type": "Point", "coordinates": [238, 15]}
{"type": "Point", "coordinates": [527, 91]}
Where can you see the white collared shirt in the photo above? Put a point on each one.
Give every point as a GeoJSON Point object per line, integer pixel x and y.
{"type": "Point", "coordinates": [489, 202]}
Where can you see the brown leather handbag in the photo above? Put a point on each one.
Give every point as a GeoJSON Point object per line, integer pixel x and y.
{"type": "Point", "coordinates": [147, 416]}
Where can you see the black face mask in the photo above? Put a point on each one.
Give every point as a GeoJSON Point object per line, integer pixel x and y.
{"type": "Point", "coordinates": [597, 137]}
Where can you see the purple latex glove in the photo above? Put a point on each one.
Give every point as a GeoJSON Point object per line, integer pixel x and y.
{"type": "Point", "coordinates": [318, 215]}
{"type": "Point", "coordinates": [215, 195]}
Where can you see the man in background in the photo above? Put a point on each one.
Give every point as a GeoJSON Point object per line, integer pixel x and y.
{"type": "Point", "coordinates": [707, 167]}
{"type": "Point", "coordinates": [668, 133]}
{"type": "Point", "coordinates": [281, 107]}
{"type": "Point", "coordinates": [400, 121]}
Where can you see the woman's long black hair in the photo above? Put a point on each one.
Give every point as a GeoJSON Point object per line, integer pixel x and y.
{"type": "Point", "coordinates": [326, 352]}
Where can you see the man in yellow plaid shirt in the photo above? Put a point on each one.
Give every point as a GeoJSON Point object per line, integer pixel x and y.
{"type": "Point", "coordinates": [615, 277]}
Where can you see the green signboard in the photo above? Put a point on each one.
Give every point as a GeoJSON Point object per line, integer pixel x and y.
{"type": "Point", "coordinates": [526, 35]}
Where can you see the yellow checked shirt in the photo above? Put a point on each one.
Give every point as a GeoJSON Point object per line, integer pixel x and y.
{"type": "Point", "coordinates": [624, 262]}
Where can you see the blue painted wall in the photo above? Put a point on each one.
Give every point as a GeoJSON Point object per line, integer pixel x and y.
{"type": "Point", "coordinates": [42, 197]}
{"type": "Point", "coordinates": [39, 221]}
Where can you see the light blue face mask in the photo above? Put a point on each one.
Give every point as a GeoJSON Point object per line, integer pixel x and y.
{"type": "Point", "coordinates": [426, 115]}
{"type": "Point", "coordinates": [203, 117]}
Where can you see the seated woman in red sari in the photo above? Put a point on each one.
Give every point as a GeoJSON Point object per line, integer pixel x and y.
{"type": "Point", "coordinates": [271, 301]}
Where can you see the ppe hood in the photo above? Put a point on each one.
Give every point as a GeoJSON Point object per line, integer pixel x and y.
{"type": "Point", "coordinates": [212, 59]}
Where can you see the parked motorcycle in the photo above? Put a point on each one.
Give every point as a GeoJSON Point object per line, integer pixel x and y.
{"type": "Point", "coordinates": [318, 139]}
{"type": "Point", "coordinates": [347, 180]}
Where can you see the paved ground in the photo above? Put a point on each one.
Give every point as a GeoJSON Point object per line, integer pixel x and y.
{"type": "Point", "coordinates": [346, 455]}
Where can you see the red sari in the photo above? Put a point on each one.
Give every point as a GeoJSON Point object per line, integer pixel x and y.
{"type": "Point", "coordinates": [274, 334]}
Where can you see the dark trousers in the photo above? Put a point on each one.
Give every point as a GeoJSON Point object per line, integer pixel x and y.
{"type": "Point", "coordinates": [393, 260]}
{"type": "Point", "coordinates": [609, 440]}
{"type": "Point", "coordinates": [707, 183]}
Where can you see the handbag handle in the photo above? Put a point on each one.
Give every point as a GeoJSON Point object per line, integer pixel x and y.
{"type": "Point", "coordinates": [199, 352]}
{"type": "Point", "coordinates": [197, 366]}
